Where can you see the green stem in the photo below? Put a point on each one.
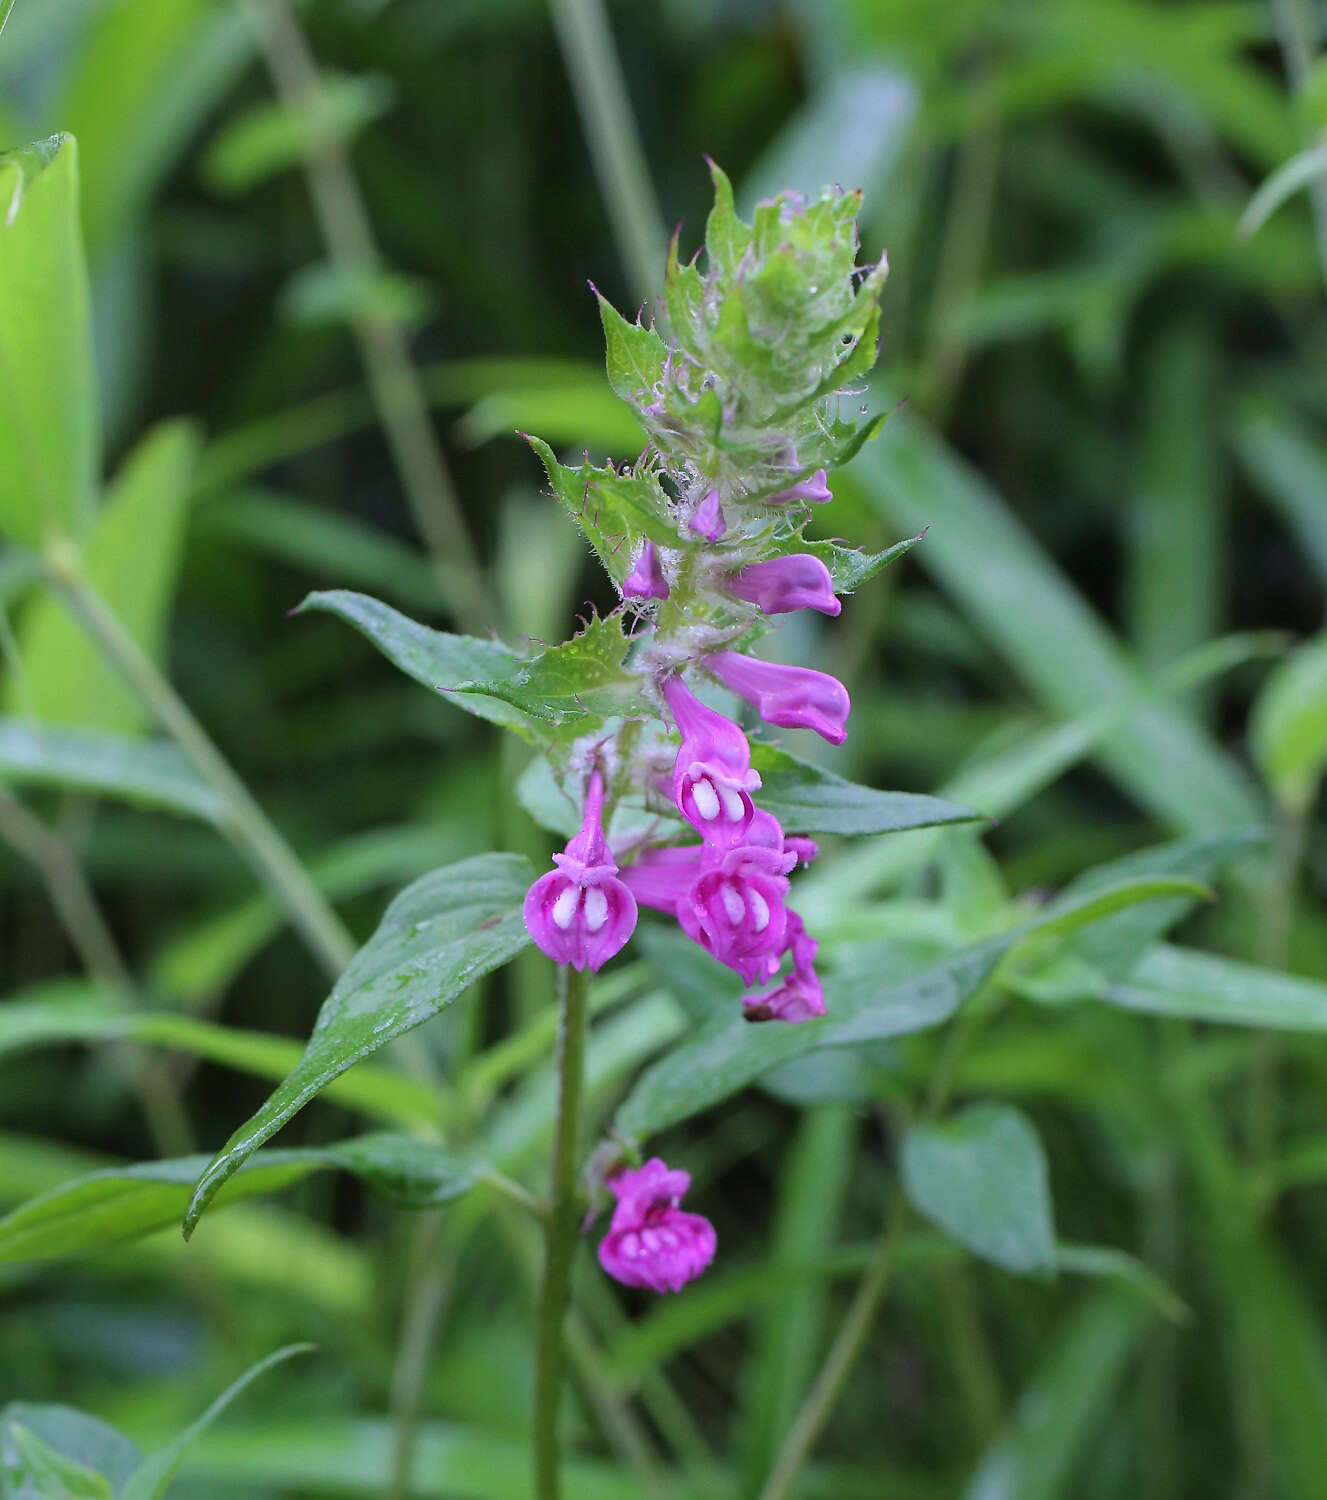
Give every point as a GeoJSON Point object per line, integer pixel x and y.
{"type": "Point", "coordinates": [245, 822]}
{"type": "Point", "coordinates": [559, 1230]}
{"type": "Point", "coordinates": [393, 381]}
{"type": "Point", "coordinates": [611, 134]}
{"type": "Point", "coordinates": [90, 935]}
{"type": "Point", "coordinates": [1298, 36]}
{"type": "Point", "coordinates": [848, 1344]}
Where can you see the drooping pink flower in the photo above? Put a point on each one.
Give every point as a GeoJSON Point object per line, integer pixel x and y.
{"type": "Point", "coordinates": [799, 581]}
{"type": "Point", "coordinates": [646, 579]}
{"type": "Point", "coordinates": [652, 1242]}
{"type": "Point", "coordinates": [814, 489]}
{"type": "Point", "coordinates": [708, 519]}
{"type": "Point", "coordinates": [791, 697]}
{"type": "Point", "coordinates": [735, 909]}
{"type": "Point", "coordinates": [581, 913]}
{"type": "Point", "coordinates": [806, 849]}
{"type": "Point", "coordinates": [712, 776]}
{"type": "Point", "coordinates": [800, 996]}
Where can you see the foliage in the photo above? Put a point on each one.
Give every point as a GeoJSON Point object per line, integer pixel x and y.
{"type": "Point", "coordinates": [1081, 1038]}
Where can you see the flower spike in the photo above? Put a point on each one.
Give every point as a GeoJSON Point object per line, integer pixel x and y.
{"type": "Point", "coordinates": [652, 1242]}
{"type": "Point", "coordinates": [791, 697]}
{"type": "Point", "coordinates": [581, 914]}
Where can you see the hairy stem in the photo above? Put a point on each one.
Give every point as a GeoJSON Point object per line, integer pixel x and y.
{"type": "Point", "coordinates": [614, 142]}
{"type": "Point", "coordinates": [559, 1230]}
{"type": "Point", "coordinates": [246, 824]}
{"type": "Point", "coordinates": [393, 381]}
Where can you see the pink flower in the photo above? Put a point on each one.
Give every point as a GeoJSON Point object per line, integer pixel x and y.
{"type": "Point", "coordinates": [580, 913]}
{"type": "Point", "coordinates": [814, 489]}
{"type": "Point", "coordinates": [651, 1241]}
{"type": "Point", "coordinates": [800, 581]}
{"type": "Point", "coordinates": [799, 997]}
{"type": "Point", "coordinates": [791, 697]}
{"type": "Point", "coordinates": [735, 909]}
{"type": "Point", "coordinates": [708, 519]}
{"type": "Point", "coordinates": [712, 776]}
{"type": "Point", "coordinates": [646, 580]}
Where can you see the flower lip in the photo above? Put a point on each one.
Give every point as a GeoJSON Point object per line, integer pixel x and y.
{"type": "Point", "coordinates": [712, 776]}
{"type": "Point", "coordinates": [580, 913]}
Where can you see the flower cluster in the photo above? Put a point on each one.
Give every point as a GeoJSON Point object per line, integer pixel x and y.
{"type": "Point", "coordinates": [737, 386]}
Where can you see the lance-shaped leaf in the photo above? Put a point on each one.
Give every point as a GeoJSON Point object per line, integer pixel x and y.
{"type": "Point", "coordinates": [438, 936]}
{"type": "Point", "coordinates": [49, 425]}
{"type": "Point", "coordinates": [634, 355]}
{"type": "Point", "coordinates": [807, 799]}
{"type": "Point", "coordinates": [850, 567]}
{"type": "Point", "coordinates": [615, 512]}
{"type": "Point", "coordinates": [432, 657]}
{"type": "Point", "coordinates": [30, 1470]}
{"type": "Point", "coordinates": [982, 1178]}
{"type": "Point", "coordinates": [574, 683]}
{"type": "Point", "coordinates": [153, 774]}
{"type": "Point", "coordinates": [119, 1204]}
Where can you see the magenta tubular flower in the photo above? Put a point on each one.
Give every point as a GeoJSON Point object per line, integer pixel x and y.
{"type": "Point", "coordinates": [652, 1242]}
{"type": "Point", "coordinates": [784, 584]}
{"type": "Point", "coordinates": [799, 997]}
{"type": "Point", "coordinates": [814, 489]}
{"type": "Point", "coordinates": [791, 697]}
{"type": "Point", "coordinates": [646, 580]}
{"type": "Point", "coordinates": [708, 520]}
{"type": "Point", "coordinates": [735, 909]}
{"type": "Point", "coordinates": [712, 776]}
{"type": "Point", "coordinates": [581, 913]}
{"type": "Point", "coordinates": [804, 848]}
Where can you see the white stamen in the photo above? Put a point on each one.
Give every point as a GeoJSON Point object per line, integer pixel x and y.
{"type": "Point", "coordinates": [759, 908]}
{"type": "Point", "coordinates": [706, 798]}
{"type": "Point", "coordinates": [733, 904]}
{"type": "Point", "coordinates": [650, 1238]}
{"type": "Point", "coordinates": [564, 908]}
{"type": "Point", "coordinates": [596, 908]}
{"type": "Point", "coordinates": [734, 809]}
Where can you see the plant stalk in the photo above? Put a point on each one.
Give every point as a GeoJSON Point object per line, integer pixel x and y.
{"type": "Point", "coordinates": [246, 824]}
{"type": "Point", "coordinates": [847, 1347]}
{"type": "Point", "coordinates": [560, 1230]}
{"type": "Point", "coordinates": [393, 381]}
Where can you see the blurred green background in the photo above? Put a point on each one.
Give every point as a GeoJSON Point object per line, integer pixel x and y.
{"type": "Point", "coordinates": [350, 242]}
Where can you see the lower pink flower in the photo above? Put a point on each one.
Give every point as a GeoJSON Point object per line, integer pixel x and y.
{"type": "Point", "coordinates": [799, 997]}
{"type": "Point", "coordinates": [652, 1242]}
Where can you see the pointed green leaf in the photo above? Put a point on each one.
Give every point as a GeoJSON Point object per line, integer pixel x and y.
{"type": "Point", "coordinates": [438, 936]}
{"type": "Point", "coordinates": [150, 1482]}
{"type": "Point", "coordinates": [807, 799]}
{"type": "Point", "coordinates": [432, 657]}
{"type": "Point", "coordinates": [152, 774]}
{"type": "Point", "coordinates": [1171, 981]}
{"type": "Point", "coordinates": [850, 567]}
{"type": "Point", "coordinates": [982, 1177]}
{"type": "Point", "coordinates": [119, 1204]}
{"type": "Point", "coordinates": [580, 680]}
{"type": "Point", "coordinates": [727, 238]}
{"type": "Point", "coordinates": [615, 512]}
{"type": "Point", "coordinates": [635, 355]}
{"type": "Point", "coordinates": [49, 426]}
{"type": "Point", "coordinates": [131, 559]}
